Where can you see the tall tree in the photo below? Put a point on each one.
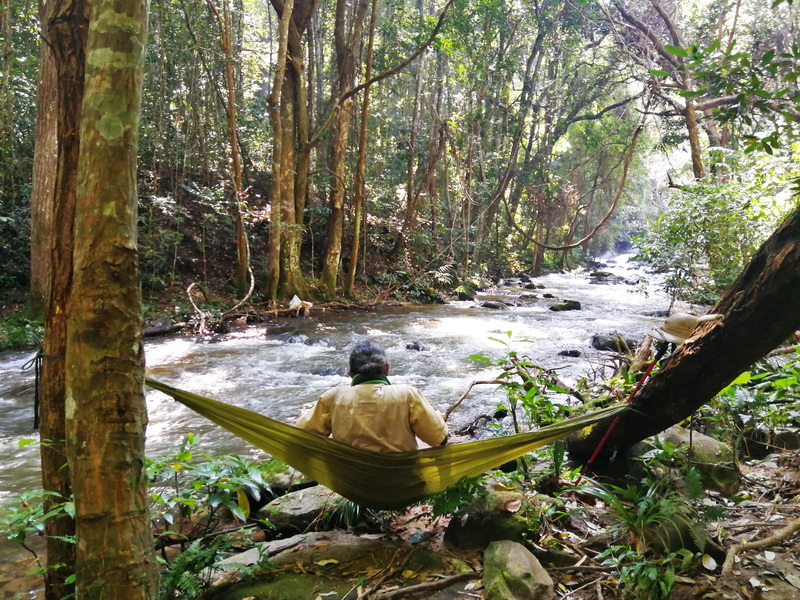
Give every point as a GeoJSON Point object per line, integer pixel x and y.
{"type": "Point", "coordinates": [65, 27]}
{"type": "Point", "coordinates": [347, 35]}
{"type": "Point", "coordinates": [360, 184]}
{"type": "Point", "coordinates": [106, 412]}
{"type": "Point", "coordinates": [225, 25]}
{"type": "Point", "coordinates": [295, 153]}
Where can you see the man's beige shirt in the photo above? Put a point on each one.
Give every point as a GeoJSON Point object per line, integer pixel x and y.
{"type": "Point", "coordinates": [377, 417]}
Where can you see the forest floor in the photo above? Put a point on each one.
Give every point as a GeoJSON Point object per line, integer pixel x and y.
{"type": "Point", "coordinates": [766, 503]}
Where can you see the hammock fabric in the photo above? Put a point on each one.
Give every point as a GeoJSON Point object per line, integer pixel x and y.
{"type": "Point", "coordinates": [372, 479]}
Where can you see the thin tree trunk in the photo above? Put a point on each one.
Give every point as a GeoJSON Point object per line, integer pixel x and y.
{"type": "Point", "coordinates": [358, 192]}
{"type": "Point", "coordinates": [106, 412]}
{"type": "Point", "coordinates": [242, 252]}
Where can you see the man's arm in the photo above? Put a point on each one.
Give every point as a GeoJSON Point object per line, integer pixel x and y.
{"type": "Point", "coordinates": [316, 419]}
{"type": "Point", "coordinates": [426, 422]}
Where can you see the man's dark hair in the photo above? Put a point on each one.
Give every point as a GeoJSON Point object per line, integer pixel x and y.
{"type": "Point", "coordinates": [368, 359]}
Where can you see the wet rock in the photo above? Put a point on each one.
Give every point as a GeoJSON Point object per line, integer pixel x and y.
{"type": "Point", "coordinates": [465, 296]}
{"type": "Point", "coordinates": [662, 314]}
{"type": "Point", "coordinates": [297, 338]}
{"type": "Point", "coordinates": [533, 286]}
{"type": "Point", "coordinates": [493, 304]}
{"type": "Point", "coordinates": [529, 297]}
{"type": "Point", "coordinates": [327, 372]}
{"type": "Point", "coordinates": [613, 342]}
{"type": "Point", "coordinates": [418, 346]}
{"type": "Point", "coordinates": [302, 338]}
{"type": "Point", "coordinates": [511, 572]}
{"type": "Point", "coordinates": [570, 353]}
{"type": "Point", "coordinates": [566, 305]}
{"type": "Point", "coordinates": [548, 295]}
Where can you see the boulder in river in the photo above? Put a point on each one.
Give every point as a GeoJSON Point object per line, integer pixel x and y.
{"type": "Point", "coordinates": [570, 353]}
{"type": "Point", "coordinates": [566, 305]}
{"type": "Point", "coordinates": [418, 346]}
{"type": "Point", "coordinates": [327, 371]}
{"type": "Point", "coordinates": [494, 305]}
{"type": "Point", "coordinates": [613, 342]}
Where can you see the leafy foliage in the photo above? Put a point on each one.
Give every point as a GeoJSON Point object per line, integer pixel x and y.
{"type": "Point", "coordinates": [458, 496]}
{"type": "Point", "coordinates": [714, 226]}
{"type": "Point", "coordinates": [189, 575]}
{"type": "Point", "coordinates": [190, 489]}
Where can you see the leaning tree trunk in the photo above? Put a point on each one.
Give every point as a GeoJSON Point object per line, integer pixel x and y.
{"type": "Point", "coordinates": [105, 408]}
{"type": "Point", "coordinates": [760, 311]}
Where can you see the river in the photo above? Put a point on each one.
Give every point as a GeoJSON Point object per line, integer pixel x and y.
{"type": "Point", "coordinates": [257, 369]}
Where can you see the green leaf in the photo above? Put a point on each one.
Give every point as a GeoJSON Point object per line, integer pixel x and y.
{"type": "Point", "coordinates": [676, 50]}
{"type": "Point", "coordinates": [25, 441]}
{"type": "Point", "coordinates": [742, 379]}
{"type": "Point", "coordinates": [659, 73]}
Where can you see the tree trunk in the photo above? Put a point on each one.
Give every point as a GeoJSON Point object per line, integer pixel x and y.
{"type": "Point", "coordinates": [359, 187]}
{"type": "Point", "coordinates": [105, 408]}
{"type": "Point", "coordinates": [760, 312]}
{"type": "Point", "coordinates": [276, 187]}
{"type": "Point", "coordinates": [45, 163]}
{"type": "Point", "coordinates": [66, 29]}
{"type": "Point", "coordinates": [349, 25]}
{"type": "Point", "coordinates": [295, 152]}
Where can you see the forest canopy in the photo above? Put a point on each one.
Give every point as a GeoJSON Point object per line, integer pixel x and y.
{"type": "Point", "coordinates": [444, 142]}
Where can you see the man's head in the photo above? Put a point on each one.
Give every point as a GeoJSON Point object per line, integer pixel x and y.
{"type": "Point", "coordinates": [368, 359]}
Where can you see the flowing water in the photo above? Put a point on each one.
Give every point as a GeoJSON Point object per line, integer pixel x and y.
{"type": "Point", "coordinates": [257, 369]}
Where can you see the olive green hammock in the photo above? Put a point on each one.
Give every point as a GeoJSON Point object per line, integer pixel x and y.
{"type": "Point", "coordinates": [374, 479]}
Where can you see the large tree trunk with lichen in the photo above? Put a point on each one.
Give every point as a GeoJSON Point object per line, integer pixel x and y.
{"type": "Point", "coordinates": [105, 408]}
{"type": "Point", "coordinates": [760, 311]}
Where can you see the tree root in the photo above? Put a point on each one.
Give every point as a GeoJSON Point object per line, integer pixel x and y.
{"type": "Point", "coordinates": [780, 536]}
{"type": "Point", "coordinates": [428, 586]}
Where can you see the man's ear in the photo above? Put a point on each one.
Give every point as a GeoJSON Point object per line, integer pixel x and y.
{"type": "Point", "coordinates": [386, 369]}
{"type": "Point", "coordinates": [350, 373]}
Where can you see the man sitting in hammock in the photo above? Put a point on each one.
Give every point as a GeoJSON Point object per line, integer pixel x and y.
{"type": "Point", "coordinates": [371, 413]}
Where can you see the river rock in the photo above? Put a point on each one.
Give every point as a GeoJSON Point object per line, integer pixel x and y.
{"type": "Point", "coordinates": [297, 511]}
{"type": "Point", "coordinates": [511, 572]}
{"type": "Point", "coordinates": [297, 338]}
{"type": "Point", "coordinates": [548, 295]}
{"type": "Point", "coordinates": [494, 305]}
{"type": "Point", "coordinates": [327, 372]}
{"type": "Point", "coordinates": [465, 296]}
{"type": "Point", "coordinates": [566, 305]}
{"type": "Point", "coordinates": [613, 342]}
{"type": "Point", "coordinates": [570, 353]}
{"type": "Point", "coordinates": [418, 346]}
